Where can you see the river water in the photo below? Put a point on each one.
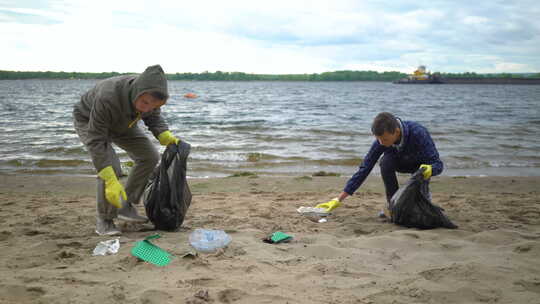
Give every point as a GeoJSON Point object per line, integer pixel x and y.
{"type": "Point", "coordinates": [286, 128]}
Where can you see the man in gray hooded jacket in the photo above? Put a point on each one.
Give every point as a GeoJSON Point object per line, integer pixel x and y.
{"type": "Point", "coordinates": [108, 114]}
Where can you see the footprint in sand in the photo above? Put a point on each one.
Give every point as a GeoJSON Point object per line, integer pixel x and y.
{"type": "Point", "coordinates": [153, 296]}
{"type": "Point", "coordinates": [70, 245]}
{"type": "Point", "coordinates": [32, 232]}
{"type": "Point", "coordinates": [531, 286]}
{"type": "Point", "coordinates": [47, 220]}
{"type": "Point", "coordinates": [20, 293]}
{"type": "Point", "coordinates": [5, 235]}
{"type": "Point", "coordinates": [230, 295]}
{"type": "Point", "coordinates": [67, 255]}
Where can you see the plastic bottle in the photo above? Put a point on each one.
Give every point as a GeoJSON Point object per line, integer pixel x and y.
{"type": "Point", "coordinates": [206, 240]}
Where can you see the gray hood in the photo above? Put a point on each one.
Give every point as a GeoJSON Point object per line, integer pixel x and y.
{"type": "Point", "coordinates": [151, 80]}
{"type": "Point", "coordinates": [108, 110]}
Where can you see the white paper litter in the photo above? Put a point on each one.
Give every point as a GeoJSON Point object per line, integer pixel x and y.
{"type": "Point", "coordinates": [313, 211]}
{"type": "Point", "coordinates": [107, 247]}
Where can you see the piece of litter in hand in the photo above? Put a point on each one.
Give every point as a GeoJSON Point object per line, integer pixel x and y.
{"type": "Point", "coordinates": [312, 211]}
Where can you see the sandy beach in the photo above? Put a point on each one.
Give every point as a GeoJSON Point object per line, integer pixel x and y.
{"type": "Point", "coordinates": [47, 238]}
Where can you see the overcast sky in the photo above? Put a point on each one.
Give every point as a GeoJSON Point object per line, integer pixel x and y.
{"type": "Point", "coordinates": [275, 36]}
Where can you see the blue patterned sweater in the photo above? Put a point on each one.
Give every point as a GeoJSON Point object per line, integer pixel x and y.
{"type": "Point", "coordinates": [416, 146]}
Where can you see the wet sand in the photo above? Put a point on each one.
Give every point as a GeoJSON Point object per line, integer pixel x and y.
{"type": "Point", "coordinates": [47, 237]}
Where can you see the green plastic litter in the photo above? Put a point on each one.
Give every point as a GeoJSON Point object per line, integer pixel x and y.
{"type": "Point", "coordinates": [151, 253]}
{"type": "Point", "coordinates": [279, 236]}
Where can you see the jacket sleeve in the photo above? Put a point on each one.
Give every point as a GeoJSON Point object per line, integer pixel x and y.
{"type": "Point", "coordinates": [155, 123]}
{"type": "Point", "coordinates": [99, 124]}
{"type": "Point", "coordinates": [365, 168]}
{"type": "Point", "coordinates": [428, 152]}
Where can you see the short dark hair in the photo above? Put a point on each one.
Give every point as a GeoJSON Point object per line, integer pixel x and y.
{"type": "Point", "coordinates": [384, 122]}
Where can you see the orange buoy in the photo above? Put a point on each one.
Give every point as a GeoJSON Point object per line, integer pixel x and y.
{"type": "Point", "coordinates": [190, 95]}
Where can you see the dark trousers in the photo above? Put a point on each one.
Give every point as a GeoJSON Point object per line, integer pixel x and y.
{"type": "Point", "coordinates": [141, 150]}
{"type": "Point", "coordinates": [390, 164]}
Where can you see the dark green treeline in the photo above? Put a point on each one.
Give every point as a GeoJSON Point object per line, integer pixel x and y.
{"type": "Point", "coordinates": [239, 76]}
{"type": "Point", "coordinates": [220, 76]}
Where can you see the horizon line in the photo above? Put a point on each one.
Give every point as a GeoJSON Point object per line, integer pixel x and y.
{"type": "Point", "coordinates": [253, 73]}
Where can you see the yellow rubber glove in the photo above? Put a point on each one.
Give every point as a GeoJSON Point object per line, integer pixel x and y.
{"type": "Point", "coordinates": [329, 206]}
{"type": "Point", "coordinates": [427, 171]}
{"type": "Point", "coordinates": [166, 138]}
{"type": "Point", "coordinates": [113, 188]}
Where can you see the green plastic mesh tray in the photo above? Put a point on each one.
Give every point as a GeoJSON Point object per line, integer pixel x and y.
{"type": "Point", "coordinates": [151, 253]}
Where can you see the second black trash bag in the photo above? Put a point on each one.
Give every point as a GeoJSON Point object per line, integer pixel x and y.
{"type": "Point", "coordinates": [411, 206]}
{"type": "Point", "coordinates": [167, 196]}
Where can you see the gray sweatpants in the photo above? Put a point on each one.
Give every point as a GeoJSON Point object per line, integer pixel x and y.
{"type": "Point", "coordinates": [143, 153]}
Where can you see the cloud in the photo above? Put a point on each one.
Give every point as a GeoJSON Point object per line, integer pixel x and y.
{"type": "Point", "coordinates": [277, 37]}
{"type": "Point", "coordinates": [20, 16]}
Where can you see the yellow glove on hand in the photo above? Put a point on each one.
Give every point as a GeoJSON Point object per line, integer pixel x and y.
{"type": "Point", "coordinates": [427, 171]}
{"type": "Point", "coordinates": [329, 206]}
{"type": "Point", "coordinates": [113, 188]}
{"type": "Point", "coordinates": [166, 138]}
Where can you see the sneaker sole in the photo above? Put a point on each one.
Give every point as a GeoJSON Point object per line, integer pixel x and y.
{"type": "Point", "coordinates": [110, 233]}
{"type": "Point", "coordinates": [130, 219]}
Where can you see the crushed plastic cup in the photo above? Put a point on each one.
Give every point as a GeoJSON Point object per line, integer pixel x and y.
{"type": "Point", "coordinates": [107, 247]}
{"type": "Point", "coordinates": [207, 240]}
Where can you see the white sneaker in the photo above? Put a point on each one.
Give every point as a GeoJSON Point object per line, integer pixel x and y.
{"type": "Point", "coordinates": [106, 227]}
{"type": "Point", "coordinates": [129, 213]}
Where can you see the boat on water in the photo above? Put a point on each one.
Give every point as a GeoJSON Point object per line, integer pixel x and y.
{"type": "Point", "coordinates": [422, 76]}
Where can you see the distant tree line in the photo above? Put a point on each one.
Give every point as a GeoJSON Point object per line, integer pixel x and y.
{"type": "Point", "coordinates": [55, 75]}
{"type": "Point", "coordinates": [240, 76]}
{"type": "Point", "coordinates": [326, 76]}
{"type": "Point", "coordinates": [499, 75]}
{"type": "Point", "coordinates": [219, 76]}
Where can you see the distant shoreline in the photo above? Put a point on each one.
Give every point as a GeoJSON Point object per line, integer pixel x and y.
{"type": "Point", "coordinates": [469, 80]}
{"type": "Point", "coordinates": [241, 76]}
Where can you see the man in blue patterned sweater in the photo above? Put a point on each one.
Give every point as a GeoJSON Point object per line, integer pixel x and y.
{"type": "Point", "coordinates": [405, 146]}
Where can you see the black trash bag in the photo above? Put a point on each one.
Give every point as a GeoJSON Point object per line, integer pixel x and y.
{"type": "Point", "coordinates": [167, 196]}
{"type": "Point", "coordinates": [411, 206]}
